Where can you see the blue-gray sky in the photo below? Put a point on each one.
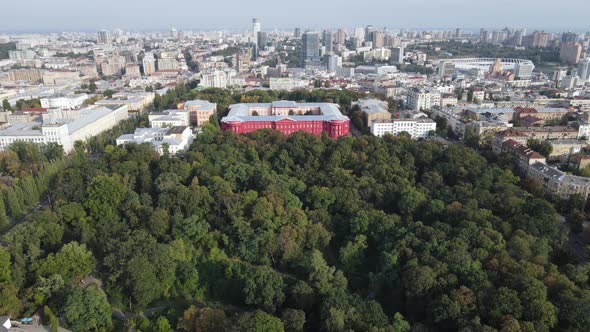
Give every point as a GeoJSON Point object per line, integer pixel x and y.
{"type": "Point", "coordinates": [68, 15]}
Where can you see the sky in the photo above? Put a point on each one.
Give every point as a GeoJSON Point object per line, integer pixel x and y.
{"type": "Point", "coordinates": [236, 15]}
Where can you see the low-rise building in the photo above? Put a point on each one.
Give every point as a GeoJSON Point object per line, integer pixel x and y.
{"type": "Point", "coordinates": [200, 111]}
{"type": "Point", "coordinates": [373, 110]}
{"type": "Point", "coordinates": [169, 118]}
{"type": "Point", "coordinates": [66, 102]}
{"type": "Point", "coordinates": [416, 128]}
{"type": "Point", "coordinates": [287, 117]}
{"type": "Point", "coordinates": [523, 156]}
{"type": "Point", "coordinates": [64, 127]}
{"type": "Point", "coordinates": [559, 183]}
{"type": "Point", "coordinates": [174, 139]}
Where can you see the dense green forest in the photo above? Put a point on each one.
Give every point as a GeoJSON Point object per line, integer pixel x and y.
{"type": "Point", "coordinates": [263, 232]}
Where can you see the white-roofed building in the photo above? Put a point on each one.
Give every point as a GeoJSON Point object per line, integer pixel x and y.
{"type": "Point", "coordinates": [174, 139]}
{"type": "Point", "coordinates": [169, 118]}
{"type": "Point", "coordinates": [64, 127]}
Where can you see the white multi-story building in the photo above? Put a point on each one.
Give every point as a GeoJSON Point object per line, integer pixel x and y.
{"type": "Point", "coordinates": [417, 128]}
{"type": "Point", "coordinates": [420, 99]}
{"type": "Point", "coordinates": [584, 130]}
{"type": "Point", "coordinates": [68, 102]}
{"type": "Point", "coordinates": [174, 139]}
{"type": "Point", "coordinates": [169, 118]}
{"type": "Point", "coordinates": [64, 127]}
{"type": "Point", "coordinates": [167, 64]}
{"type": "Point", "coordinates": [286, 83]}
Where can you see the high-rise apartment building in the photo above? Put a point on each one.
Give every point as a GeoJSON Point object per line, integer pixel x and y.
{"type": "Point", "coordinates": [341, 37]}
{"type": "Point", "coordinates": [149, 64]}
{"type": "Point", "coordinates": [570, 53]}
{"type": "Point", "coordinates": [378, 39]}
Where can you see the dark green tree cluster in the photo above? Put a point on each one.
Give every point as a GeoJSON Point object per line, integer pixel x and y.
{"type": "Point", "coordinates": [543, 147]}
{"type": "Point", "coordinates": [263, 232]}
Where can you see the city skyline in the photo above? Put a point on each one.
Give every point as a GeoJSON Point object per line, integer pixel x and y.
{"type": "Point", "coordinates": [68, 15]}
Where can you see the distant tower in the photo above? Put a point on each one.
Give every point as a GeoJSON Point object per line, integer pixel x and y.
{"type": "Point", "coordinates": [311, 49]}
{"type": "Point", "coordinates": [174, 33]}
{"type": "Point", "coordinates": [297, 33]}
{"type": "Point", "coordinates": [328, 42]}
{"type": "Point", "coordinates": [255, 28]}
{"type": "Point", "coordinates": [103, 37]}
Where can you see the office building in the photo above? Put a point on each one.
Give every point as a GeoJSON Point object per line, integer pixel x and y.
{"type": "Point", "coordinates": [311, 49]}
{"type": "Point", "coordinates": [173, 33]}
{"type": "Point", "coordinates": [297, 33]}
{"type": "Point", "coordinates": [584, 69]}
{"type": "Point", "coordinates": [287, 117]}
{"type": "Point", "coordinates": [103, 37]}
{"type": "Point", "coordinates": [333, 62]}
{"type": "Point", "coordinates": [261, 40]}
{"type": "Point", "coordinates": [328, 41]}
{"type": "Point", "coordinates": [255, 28]}
{"type": "Point", "coordinates": [369, 33]}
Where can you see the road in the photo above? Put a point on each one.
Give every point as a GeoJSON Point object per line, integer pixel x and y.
{"type": "Point", "coordinates": [38, 207]}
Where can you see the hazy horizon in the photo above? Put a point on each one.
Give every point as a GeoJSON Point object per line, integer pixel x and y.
{"type": "Point", "coordinates": [235, 15]}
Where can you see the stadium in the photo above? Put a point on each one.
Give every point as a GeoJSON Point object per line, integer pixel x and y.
{"type": "Point", "coordinates": [485, 63]}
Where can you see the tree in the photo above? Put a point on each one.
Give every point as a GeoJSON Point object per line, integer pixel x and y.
{"type": "Point", "coordinates": [264, 287]}
{"type": "Point", "coordinates": [92, 87]}
{"type": "Point", "coordinates": [162, 325]}
{"type": "Point", "coordinates": [88, 309]}
{"type": "Point", "coordinates": [52, 319]}
{"type": "Point", "coordinates": [543, 147]}
{"type": "Point", "coordinates": [73, 260]}
{"type": "Point", "coordinates": [293, 319]}
{"type": "Point", "coordinates": [202, 319]}
{"type": "Point", "coordinates": [6, 105]}
{"type": "Point", "coordinates": [5, 266]}
{"type": "Point", "coordinates": [9, 302]}
{"type": "Point", "coordinates": [260, 321]}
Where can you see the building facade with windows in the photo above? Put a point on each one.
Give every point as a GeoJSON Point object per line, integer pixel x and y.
{"type": "Point", "coordinates": [416, 128]}
{"type": "Point", "coordinates": [287, 117]}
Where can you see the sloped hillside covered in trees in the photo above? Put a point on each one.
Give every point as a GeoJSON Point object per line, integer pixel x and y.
{"type": "Point", "coordinates": [263, 232]}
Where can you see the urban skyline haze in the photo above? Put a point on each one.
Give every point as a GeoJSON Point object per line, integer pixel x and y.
{"type": "Point", "coordinates": [70, 15]}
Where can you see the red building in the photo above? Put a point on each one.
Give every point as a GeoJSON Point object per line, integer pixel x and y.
{"type": "Point", "coordinates": [287, 117]}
